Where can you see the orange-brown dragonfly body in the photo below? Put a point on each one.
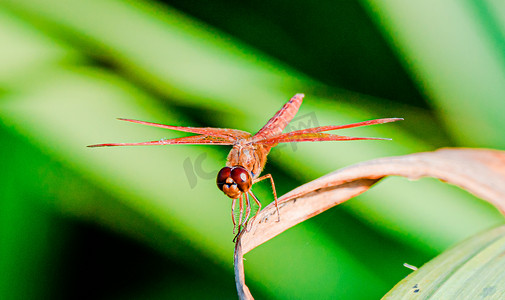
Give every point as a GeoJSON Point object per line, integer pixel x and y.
{"type": "Point", "coordinates": [248, 156]}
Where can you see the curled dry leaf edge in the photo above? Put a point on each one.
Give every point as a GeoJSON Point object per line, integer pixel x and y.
{"type": "Point", "coordinates": [478, 171]}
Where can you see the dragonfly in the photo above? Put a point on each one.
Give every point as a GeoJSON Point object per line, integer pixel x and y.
{"type": "Point", "coordinates": [248, 155]}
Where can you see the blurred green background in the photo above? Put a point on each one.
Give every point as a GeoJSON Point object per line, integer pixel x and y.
{"type": "Point", "coordinates": [149, 222]}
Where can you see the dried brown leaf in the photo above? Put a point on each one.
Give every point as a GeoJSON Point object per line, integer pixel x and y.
{"type": "Point", "coordinates": [479, 171]}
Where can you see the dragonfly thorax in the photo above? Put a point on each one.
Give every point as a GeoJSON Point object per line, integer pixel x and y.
{"type": "Point", "coordinates": [249, 156]}
{"type": "Point", "coordinates": [234, 181]}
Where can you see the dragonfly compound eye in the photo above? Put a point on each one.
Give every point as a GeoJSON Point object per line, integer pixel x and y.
{"type": "Point", "coordinates": [233, 181]}
{"type": "Point", "coordinates": [242, 178]}
{"type": "Point", "coordinates": [223, 174]}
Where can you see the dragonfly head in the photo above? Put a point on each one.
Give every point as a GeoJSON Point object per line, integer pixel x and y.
{"type": "Point", "coordinates": [234, 181]}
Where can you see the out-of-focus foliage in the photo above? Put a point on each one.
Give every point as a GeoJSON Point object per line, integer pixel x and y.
{"type": "Point", "coordinates": [148, 222]}
{"type": "Point", "coordinates": [472, 269]}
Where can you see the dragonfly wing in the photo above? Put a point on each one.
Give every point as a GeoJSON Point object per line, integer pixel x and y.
{"type": "Point", "coordinates": [311, 133]}
{"type": "Point", "coordinates": [336, 127]}
{"type": "Point", "coordinates": [193, 140]}
{"type": "Point", "coordinates": [314, 137]}
{"type": "Point", "coordinates": [209, 131]}
{"type": "Point", "coordinates": [280, 120]}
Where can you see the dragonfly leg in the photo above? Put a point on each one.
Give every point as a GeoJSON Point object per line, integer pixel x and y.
{"type": "Point", "coordinates": [241, 211]}
{"type": "Point", "coordinates": [273, 189]}
{"type": "Point", "coordinates": [258, 203]}
{"type": "Point", "coordinates": [248, 208]}
{"type": "Point", "coordinates": [233, 213]}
